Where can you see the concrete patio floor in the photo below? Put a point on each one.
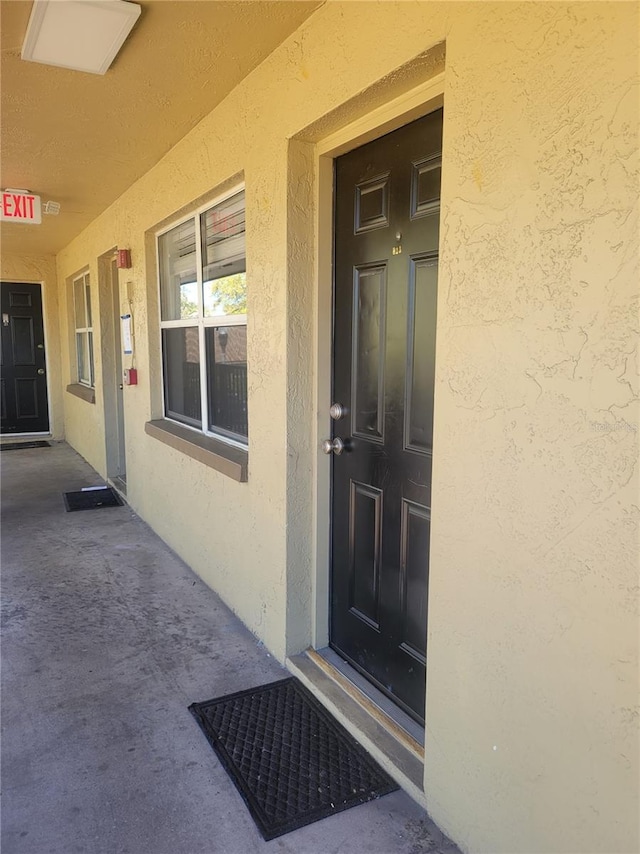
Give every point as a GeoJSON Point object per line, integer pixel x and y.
{"type": "Point", "coordinates": [107, 638]}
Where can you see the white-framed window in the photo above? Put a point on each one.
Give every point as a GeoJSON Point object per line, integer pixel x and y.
{"type": "Point", "coordinates": [84, 329]}
{"type": "Point", "coordinates": [203, 319]}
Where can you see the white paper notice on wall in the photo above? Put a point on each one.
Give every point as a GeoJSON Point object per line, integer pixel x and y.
{"type": "Point", "coordinates": [127, 337]}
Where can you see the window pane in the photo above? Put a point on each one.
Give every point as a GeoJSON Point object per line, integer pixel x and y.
{"type": "Point", "coordinates": [227, 378]}
{"type": "Point", "coordinates": [90, 349]}
{"type": "Point", "coordinates": [222, 231]}
{"type": "Point", "coordinates": [82, 348]}
{"type": "Point", "coordinates": [181, 359]}
{"type": "Point", "coordinates": [225, 296]}
{"type": "Point", "coordinates": [178, 280]}
{"type": "Point", "coordinates": [78, 299]}
{"type": "Point", "coordinates": [87, 291]}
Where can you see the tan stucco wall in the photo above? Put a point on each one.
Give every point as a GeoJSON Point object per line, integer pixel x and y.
{"type": "Point", "coordinates": [534, 621]}
{"type": "Point", "coordinates": [532, 729]}
{"type": "Point", "coordinates": [42, 270]}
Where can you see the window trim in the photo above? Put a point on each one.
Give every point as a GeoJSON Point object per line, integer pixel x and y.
{"type": "Point", "coordinates": [83, 330]}
{"type": "Point", "coordinates": [200, 322]}
{"type": "Point", "coordinates": [84, 392]}
{"type": "Point", "coordinates": [230, 460]}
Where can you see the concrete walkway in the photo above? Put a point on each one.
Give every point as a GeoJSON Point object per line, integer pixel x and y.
{"type": "Point", "coordinates": [107, 638]}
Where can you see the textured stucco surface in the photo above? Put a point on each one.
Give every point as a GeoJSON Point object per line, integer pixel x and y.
{"type": "Point", "coordinates": [534, 622]}
{"type": "Point", "coordinates": [532, 717]}
{"type": "Point", "coordinates": [42, 270]}
{"type": "Point", "coordinates": [181, 59]}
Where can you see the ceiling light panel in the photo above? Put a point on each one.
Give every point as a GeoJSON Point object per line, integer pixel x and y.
{"type": "Point", "coordinates": [84, 35]}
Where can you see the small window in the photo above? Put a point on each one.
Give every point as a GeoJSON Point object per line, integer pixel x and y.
{"type": "Point", "coordinates": [203, 319]}
{"type": "Point", "coordinates": [84, 330]}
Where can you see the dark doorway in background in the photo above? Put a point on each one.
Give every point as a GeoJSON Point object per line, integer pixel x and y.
{"type": "Point", "coordinates": [23, 380]}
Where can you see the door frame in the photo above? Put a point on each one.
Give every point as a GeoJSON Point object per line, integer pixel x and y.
{"type": "Point", "coordinates": [107, 288]}
{"type": "Point", "coordinates": [43, 297]}
{"type": "Point", "coordinates": [411, 105]}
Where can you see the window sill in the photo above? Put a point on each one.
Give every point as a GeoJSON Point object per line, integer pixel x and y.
{"type": "Point", "coordinates": [84, 392]}
{"type": "Point", "coordinates": [228, 460]}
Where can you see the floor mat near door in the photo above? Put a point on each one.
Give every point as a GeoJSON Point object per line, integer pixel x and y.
{"type": "Point", "coordinates": [92, 499]}
{"type": "Point", "coordinates": [290, 760]}
{"type": "Point", "coordinates": [16, 446]}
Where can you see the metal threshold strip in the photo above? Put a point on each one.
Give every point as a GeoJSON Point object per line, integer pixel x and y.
{"type": "Point", "coordinates": [394, 740]}
{"type": "Point", "coordinates": [120, 484]}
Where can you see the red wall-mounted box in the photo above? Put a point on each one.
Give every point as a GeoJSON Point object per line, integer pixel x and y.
{"type": "Point", "coordinates": [123, 259]}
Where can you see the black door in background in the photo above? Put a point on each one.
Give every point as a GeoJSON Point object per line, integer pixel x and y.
{"type": "Point", "coordinates": [23, 380]}
{"type": "Point", "coordinates": [386, 244]}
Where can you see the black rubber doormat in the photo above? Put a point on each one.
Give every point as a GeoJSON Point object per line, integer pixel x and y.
{"type": "Point", "coordinates": [16, 446]}
{"type": "Point", "coordinates": [290, 760]}
{"type": "Point", "coordinates": [92, 499]}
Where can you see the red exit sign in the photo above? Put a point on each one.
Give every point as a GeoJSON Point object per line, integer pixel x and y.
{"type": "Point", "coordinates": [20, 207]}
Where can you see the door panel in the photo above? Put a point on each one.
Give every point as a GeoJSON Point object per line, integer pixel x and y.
{"type": "Point", "coordinates": [414, 545]}
{"type": "Point", "coordinates": [365, 516]}
{"type": "Point", "coordinates": [23, 345]}
{"type": "Point", "coordinates": [24, 381]}
{"type": "Point", "coordinates": [369, 297]}
{"type": "Point", "coordinates": [26, 398]}
{"type": "Point", "coordinates": [423, 284]}
{"type": "Point", "coordinates": [386, 243]}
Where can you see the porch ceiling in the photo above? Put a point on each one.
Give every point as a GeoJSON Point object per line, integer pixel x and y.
{"type": "Point", "coordinates": [82, 139]}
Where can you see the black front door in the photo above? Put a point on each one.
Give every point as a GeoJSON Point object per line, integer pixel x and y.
{"type": "Point", "coordinates": [23, 377]}
{"type": "Point", "coordinates": [386, 244]}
